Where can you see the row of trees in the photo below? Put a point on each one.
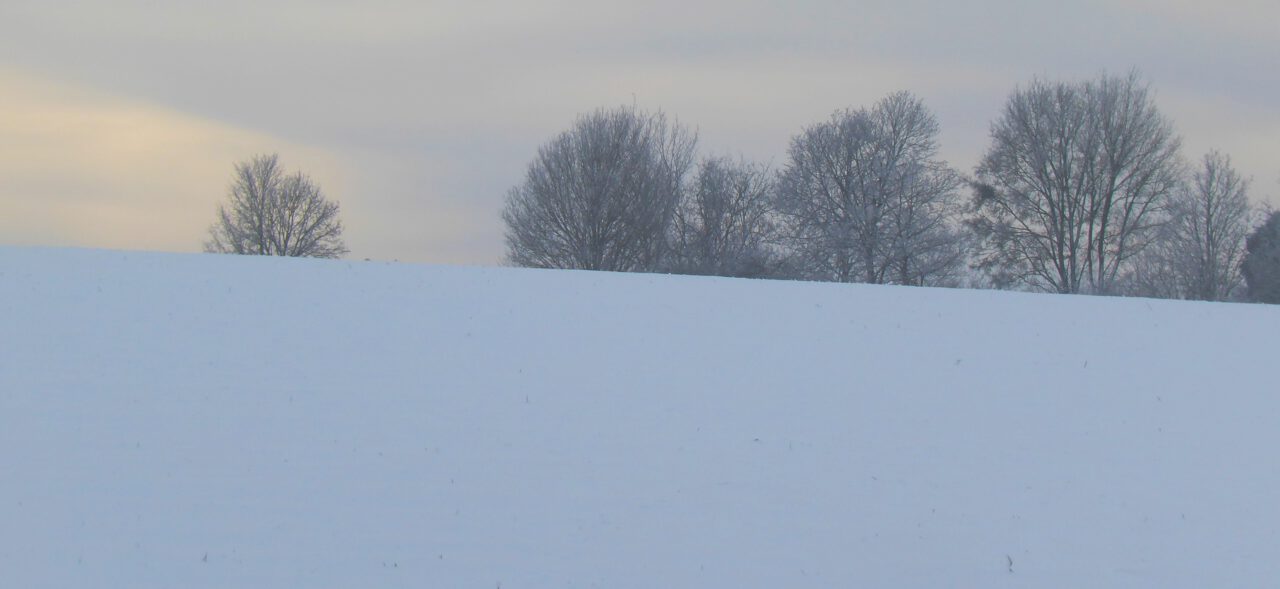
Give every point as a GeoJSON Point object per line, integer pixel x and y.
{"type": "Point", "coordinates": [1082, 190]}
{"type": "Point", "coordinates": [864, 199]}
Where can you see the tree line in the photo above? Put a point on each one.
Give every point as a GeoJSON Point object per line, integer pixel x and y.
{"type": "Point", "coordinates": [1082, 189]}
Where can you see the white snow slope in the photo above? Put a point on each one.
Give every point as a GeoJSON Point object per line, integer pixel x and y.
{"type": "Point", "coordinates": [215, 421]}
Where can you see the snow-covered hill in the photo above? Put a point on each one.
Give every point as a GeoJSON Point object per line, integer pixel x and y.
{"type": "Point", "coordinates": [213, 421]}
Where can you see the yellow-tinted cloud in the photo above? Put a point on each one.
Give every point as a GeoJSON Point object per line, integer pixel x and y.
{"type": "Point", "coordinates": [83, 168]}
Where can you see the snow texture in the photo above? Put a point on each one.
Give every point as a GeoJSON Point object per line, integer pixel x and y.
{"type": "Point", "coordinates": [201, 421]}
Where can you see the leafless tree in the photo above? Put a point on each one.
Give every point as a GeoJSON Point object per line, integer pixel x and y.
{"type": "Point", "coordinates": [271, 214]}
{"type": "Point", "coordinates": [602, 195]}
{"type": "Point", "coordinates": [867, 200]}
{"type": "Point", "coordinates": [1072, 185]}
{"type": "Point", "coordinates": [725, 223]}
{"type": "Point", "coordinates": [1198, 250]}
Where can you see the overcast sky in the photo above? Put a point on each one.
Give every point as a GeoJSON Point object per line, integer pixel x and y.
{"type": "Point", "coordinates": [120, 121]}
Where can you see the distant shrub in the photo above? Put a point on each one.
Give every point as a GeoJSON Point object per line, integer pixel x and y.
{"type": "Point", "coordinates": [1261, 266]}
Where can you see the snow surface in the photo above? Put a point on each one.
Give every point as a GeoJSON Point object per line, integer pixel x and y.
{"type": "Point", "coordinates": [217, 421]}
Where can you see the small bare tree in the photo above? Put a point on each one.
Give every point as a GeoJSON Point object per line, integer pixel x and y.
{"type": "Point", "coordinates": [271, 214]}
{"type": "Point", "coordinates": [725, 223]}
{"type": "Point", "coordinates": [1072, 185]}
{"type": "Point", "coordinates": [1198, 251]}
{"type": "Point", "coordinates": [866, 199]}
{"type": "Point", "coordinates": [602, 195]}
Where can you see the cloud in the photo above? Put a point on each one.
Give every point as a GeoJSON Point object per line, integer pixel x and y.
{"type": "Point", "coordinates": [1251, 19]}
{"type": "Point", "coordinates": [80, 167]}
{"type": "Point", "coordinates": [419, 116]}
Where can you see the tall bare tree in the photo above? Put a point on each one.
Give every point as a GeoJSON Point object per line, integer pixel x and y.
{"type": "Point", "coordinates": [602, 195]}
{"type": "Point", "coordinates": [1071, 187]}
{"type": "Point", "coordinates": [725, 223]}
{"type": "Point", "coordinates": [1198, 251]}
{"type": "Point", "coordinates": [866, 198]}
{"type": "Point", "coordinates": [269, 213]}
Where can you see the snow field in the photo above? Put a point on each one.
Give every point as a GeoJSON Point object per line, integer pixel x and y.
{"type": "Point", "coordinates": [197, 421]}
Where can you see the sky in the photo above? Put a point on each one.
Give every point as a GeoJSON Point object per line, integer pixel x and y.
{"type": "Point", "coordinates": [120, 121]}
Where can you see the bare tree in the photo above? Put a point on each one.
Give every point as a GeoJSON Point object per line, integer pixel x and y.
{"type": "Point", "coordinates": [271, 214]}
{"type": "Point", "coordinates": [1071, 187]}
{"type": "Point", "coordinates": [602, 195]}
{"type": "Point", "coordinates": [867, 200]}
{"type": "Point", "coordinates": [725, 223]}
{"type": "Point", "coordinates": [1198, 250]}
